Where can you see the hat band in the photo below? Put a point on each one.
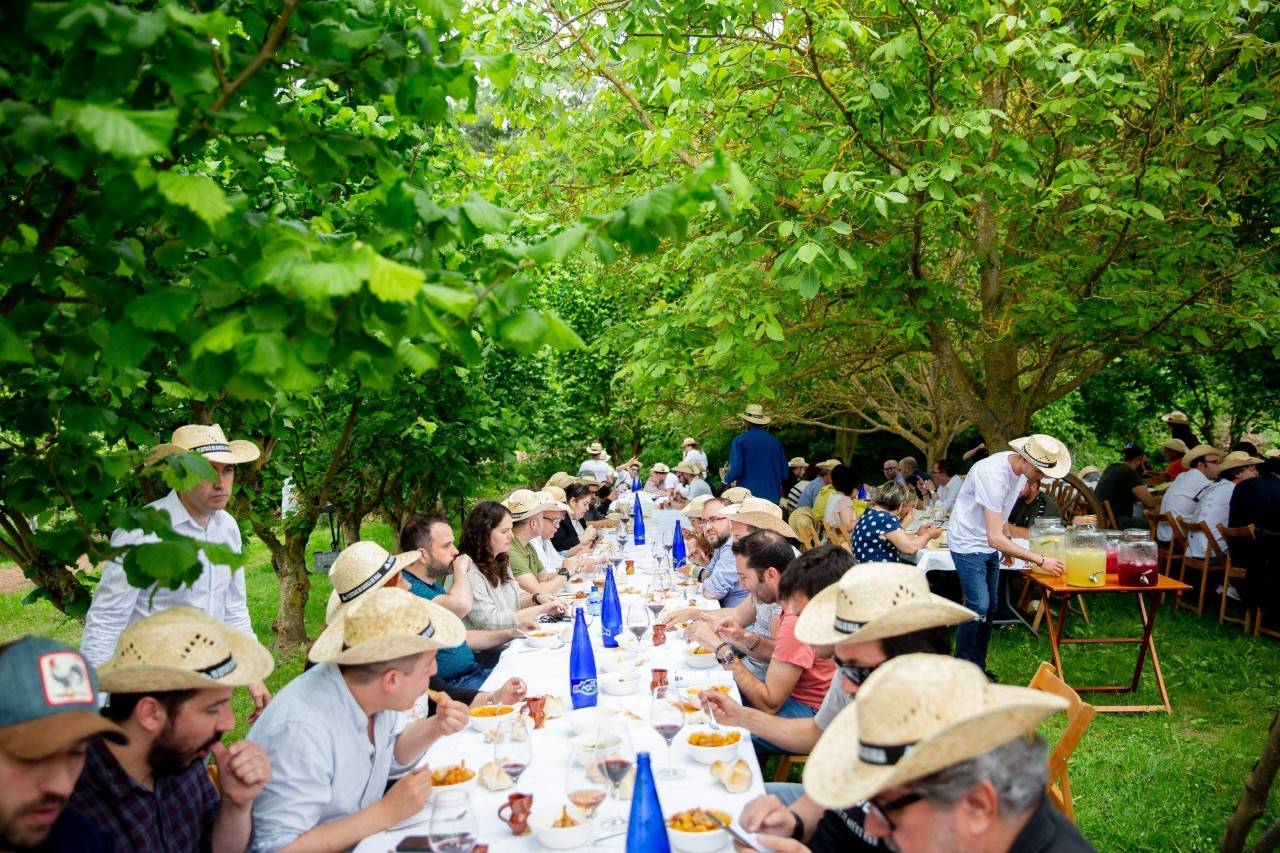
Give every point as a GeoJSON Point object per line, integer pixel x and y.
{"type": "Point", "coordinates": [882, 756]}
{"type": "Point", "coordinates": [1041, 462]}
{"type": "Point", "coordinates": [848, 626]}
{"type": "Point", "coordinates": [429, 631]}
{"type": "Point", "coordinates": [221, 669]}
{"type": "Point", "coordinates": [211, 448]}
{"type": "Point", "coordinates": [355, 591]}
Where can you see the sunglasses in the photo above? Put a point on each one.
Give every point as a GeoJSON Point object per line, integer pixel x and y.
{"type": "Point", "coordinates": [856, 674]}
{"type": "Point", "coordinates": [881, 811]}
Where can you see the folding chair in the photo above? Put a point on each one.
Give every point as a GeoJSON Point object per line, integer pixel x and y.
{"type": "Point", "coordinates": [802, 522]}
{"type": "Point", "coordinates": [785, 763]}
{"type": "Point", "coordinates": [1169, 553]}
{"type": "Point", "coordinates": [837, 535]}
{"type": "Point", "coordinates": [1234, 572]}
{"type": "Point", "coordinates": [1212, 562]}
{"type": "Point", "coordinates": [1079, 716]}
{"type": "Point", "coordinates": [1109, 516]}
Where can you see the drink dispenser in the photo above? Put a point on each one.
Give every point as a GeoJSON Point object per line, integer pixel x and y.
{"type": "Point", "coordinates": [1086, 553]}
{"type": "Point", "coordinates": [1139, 564]}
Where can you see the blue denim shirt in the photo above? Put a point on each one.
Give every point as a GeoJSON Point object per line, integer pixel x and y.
{"type": "Point", "coordinates": [757, 462]}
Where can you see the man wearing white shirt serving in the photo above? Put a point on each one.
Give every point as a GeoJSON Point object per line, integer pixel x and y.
{"type": "Point", "coordinates": [199, 513]}
{"type": "Point", "coordinates": [978, 533]}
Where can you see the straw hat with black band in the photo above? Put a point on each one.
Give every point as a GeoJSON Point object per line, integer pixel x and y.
{"type": "Point", "coordinates": [208, 441]}
{"type": "Point", "coordinates": [915, 715]}
{"type": "Point", "coordinates": [362, 567]}
{"type": "Point", "coordinates": [183, 649]}
{"type": "Point", "coordinates": [828, 465]}
{"type": "Point", "coordinates": [873, 601]}
{"type": "Point", "coordinates": [387, 624]}
{"type": "Point", "coordinates": [596, 451]}
{"type": "Point", "coordinates": [1176, 417]}
{"type": "Point", "coordinates": [1198, 452]}
{"type": "Point", "coordinates": [1177, 445]}
{"type": "Point", "coordinates": [660, 468]}
{"type": "Point", "coordinates": [754, 414]}
{"type": "Point", "coordinates": [797, 462]}
{"type": "Point", "coordinates": [1045, 452]}
{"type": "Point", "coordinates": [1237, 459]}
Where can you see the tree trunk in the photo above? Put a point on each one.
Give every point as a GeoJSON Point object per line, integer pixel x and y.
{"type": "Point", "coordinates": [60, 585]}
{"type": "Point", "coordinates": [1269, 841]}
{"type": "Point", "coordinates": [295, 589]}
{"type": "Point", "coordinates": [1257, 785]}
{"type": "Point", "coordinates": [349, 524]}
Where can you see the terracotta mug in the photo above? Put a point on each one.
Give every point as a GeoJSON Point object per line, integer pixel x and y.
{"type": "Point", "coordinates": [536, 706]}
{"type": "Point", "coordinates": [519, 806]}
{"type": "Point", "coordinates": [659, 678]}
{"type": "Point", "coordinates": [659, 633]}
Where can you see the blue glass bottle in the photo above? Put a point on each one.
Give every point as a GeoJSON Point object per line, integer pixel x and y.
{"type": "Point", "coordinates": [638, 528]}
{"type": "Point", "coordinates": [678, 554]}
{"type": "Point", "coordinates": [582, 665]}
{"type": "Point", "coordinates": [610, 612]}
{"type": "Point", "coordinates": [646, 828]}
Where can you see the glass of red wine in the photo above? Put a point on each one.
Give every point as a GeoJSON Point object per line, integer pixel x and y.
{"type": "Point", "coordinates": [637, 620]}
{"type": "Point", "coordinates": [510, 753]}
{"type": "Point", "coordinates": [666, 715]}
{"type": "Point", "coordinates": [614, 758]}
{"type": "Point", "coordinates": [453, 823]}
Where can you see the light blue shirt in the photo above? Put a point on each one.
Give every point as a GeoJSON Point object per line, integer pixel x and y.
{"type": "Point", "coordinates": [810, 493]}
{"type": "Point", "coordinates": [323, 767]}
{"type": "Point", "coordinates": [722, 582]}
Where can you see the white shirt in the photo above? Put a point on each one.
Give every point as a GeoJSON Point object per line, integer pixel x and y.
{"type": "Point", "coordinates": [695, 455]}
{"type": "Point", "coordinates": [1180, 500]}
{"type": "Point", "coordinates": [597, 468]}
{"type": "Point", "coordinates": [992, 485]}
{"type": "Point", "coordinates": [947, 494]}
{"type": "Point", "coordinates": [835, 503]}
{"type": "Point", "coordinates": [323, 765]}
{"type": "Point", "coordinates": [696, 488]}
{"type": "Point", "coordinates": [547, 553]}
{"type": "Point", "coordinates": [117, 604]}
{"type": "Point", "coordinates": [1215, 505]}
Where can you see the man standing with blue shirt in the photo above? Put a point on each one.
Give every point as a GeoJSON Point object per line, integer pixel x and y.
{"type": "Point", "coordinates": [756, 459]}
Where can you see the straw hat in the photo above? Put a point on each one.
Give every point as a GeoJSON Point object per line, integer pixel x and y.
{"type": "Point", "coordinates": [595, 448]}
{"type": "Point", "coordinates": [361, 568]}
{"type": "Point", "coordinates": [916, 715]}
{"type": "Point", "coordinates": [550, 501]}
{"type": "Point", "coordinates": [735, 495]}
{"type": "Point", "coordinates": [1045, 452]}
{"type": "Point", "coordinates": [1176, 417]}
{"type": "Point", "coordinates": [386, 624]}
{"type": "Point", "coordinates": [555, 493]}
{"type": "Point", "coordinates": [756, 505]}
{"type": "Point", "coordinates": [1272, 453]}
{"type": "Point", "coordinates": [693, 509]}
{"type": "Point", "coordinates": [872, 601]}
{"type": "Point", "coordinates": [1089, 469]}
{"type": "Point", "coordinates": [183, 649]}
{"type": "Point", "coordinates": [797, 462]}
{"type": "Point", "coordinates": [208, 441]}
{"type": "Point", "coordinates": [523, 503]}
{"type": "Point", "coordinates": [689, 442]}
{"type": "Point", "coordinates": [828, 464]}
{"type": "Point", "coordinates": [688, 468]}
{"type": "Point", "coordinates": [754, 413]}
{"type": "Point", "coordinates": [563, 480]}
{"type": "Point", "coordinates": [1189, 458]}
{"type": "Point", "coordinates": [660, 468]}
{"type": "Point", "coordinates": [761, 514]}
{"type": "Point", "coordinates": [1237, 459]}
{"type": "Point", "coordinates": [1177, 445]}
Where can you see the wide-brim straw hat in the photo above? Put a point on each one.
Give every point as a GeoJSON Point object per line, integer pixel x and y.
{"type": "Point", "coordinates": [693, 509]}
{"type": "Point", "coordinates": [524, 503]}
{"type": "Point", "coordinates": [595, 448]}
{"type": "Point", "coordinates": [690, 440]}
{"type": "Point", "coordinates": [555, 493]}
{"type": "Point", "coordinates": [765, 521]}
{"type": "Point", "coordinates": [1177, 445]}
{"type": "Point", "coordinates": [1176, 417]}
{"type": "Point", "coordinates": [1200, 450]}
{"type": "Point", "coordinates": [1237, 459]}
{"type": "Point", "coordinates": [829, 464]}
{"type": "Point", "coordinates": [210, 442]}
{"type": "Point", "coordinates": [361, 568]}
{"type": "Point", "coordinates": [692, 468]}
{"type": "Point", "coordinates": [915, 715]}
{"type": "Point", "coordinates": [1089, 469]}
{"type": "Point", "coordinates": [387, 624]}
{"type": "Point", "coordinates": [1045, 452]}
{"type": "Point", "coordinates": [563, 480]}
{"type": "Point", "coordinates": [753, 504]}
{"type": "Point", "coordinates": [660, 468]}
{"type": "Point", "coordinates": [754, 413]}
{"type": "Point", "coordinates": [872, 601]}
{"type": "Point", "coordinates": [735, 495]}
{"type": "Point", "coordinates": [183, 649]}
{"type": "Point", "coordinates": [797, 462]}
{"type": "Point", "coordinates": [1272, 453]}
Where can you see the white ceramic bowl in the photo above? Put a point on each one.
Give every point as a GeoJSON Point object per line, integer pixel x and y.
{"type": "Point", "coordinates": [585, 745]}
{"type": "Point", "coordinates": [543, 638]}
{"type": "Point", "coordinates": [621, 660]}
{"type": "Point", "coordinates": [461, 786]}
{"type": "Point", "coordinates": [620, 683]}
{"type": "Point", "coordinates": [709, 754]}
{"type": "Point", "coordinates": [585, 721]}
{"type": "Point", "coordinates": [560, 838]}
{"type": "Point", "coordinates": [701, 661]}
{"type": "Point", "coordinates": [697, 842]}
{"type": "Point", "coordinates": [484, 724]}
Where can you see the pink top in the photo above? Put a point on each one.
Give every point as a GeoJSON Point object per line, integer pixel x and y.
{"type": "Point", "coordinates": [815, 679]}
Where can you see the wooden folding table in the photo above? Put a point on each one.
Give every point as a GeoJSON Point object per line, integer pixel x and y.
{"type": "Point", "coordinates": [1052, 588]}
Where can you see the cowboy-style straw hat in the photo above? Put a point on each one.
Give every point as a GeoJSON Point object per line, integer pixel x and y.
{"type": "Point", "coordinates": [797, 462]}
{"type": "Point", "coordinates": [362, 567]}
{"type": "Point", "coordinates": [873, 601]}
{"type": "Point", "coordinates": [551, 501]}
{"type": "Point", "coordinates": [523, 503]}
{"type": "Point", "coordinates": [692, 468]}
{"type": "Point", "coordinates": [208, 441]}
{"type": "Point", "coordinates": [595, 448]}
{"type": "Point", "coordinates": [753, 504]}
{"type": "Point", "coordinates": [829, 464]}
{"type": "Point", "coordinates": [761, 514]}
{"type": "Point", "coordinates": [1089, 469]}
{"type": "Point", "coordinates": [690, 441]}
{"type": "Point", "coordinates": [1177, 445]}
{"type": "Point", "coordinates": [693, 509]}
{"type": "Point", "coordinates": [1200, 450]}
{"type": "Point", "coordinates": [659, 468]}
{"type": "Point", "coordinates": [1045, 452]}
{"type": "Point", "coordinates": [916, 715]}
{"type": "Point", "coordinates": [1176, 417]}
{"type": "Point", "coordinates": [563, 480]}
{"type": "Point", "coordinates": [1237, 459]}
{"type": "Point", "coordinates": [735, 495]}
{"type": "Point", "coordinates": [183, 649]}
{"type": "Point", "coordinates": [386, 624]}
{"type": "Point", "coordinates": [754, 413]}
{"type": "Point", "coordinates": [555, 493]}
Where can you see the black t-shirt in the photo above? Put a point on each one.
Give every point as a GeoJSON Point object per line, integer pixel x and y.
{"type": "Point", "coordinates": [1116, 485]}
{"type": "Point", "coordinates": [565, 537]}
{"type": "Point", "coordinates": [1049, 831]}
{"type": "Point", "coordinates": [842, 830]}
{"type": "Point", "coordinates": [74, 833]}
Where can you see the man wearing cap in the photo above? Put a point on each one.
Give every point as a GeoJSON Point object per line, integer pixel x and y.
{"type": "Point", "coordinates": [199, 513]}
{"type": "Point", "coordinates": [596, 465]}
{"type": "Point", "coordinates": [756, 460]}
{"type": "Point", "coordinates": [810, 494]}
{"type": "Point", "coordinates": [169, 688]}
{"type": "Point", "coordinates": [935, 757]}
{"type": "Point", "coordinates": [48, 719]}
{"type": "Point", "coordinates": [1182, 499]}
{"type": "Point", "coordinates": [693, 453]}
{"type": "Point", "coordinates": [720, 576]}
{"type": "Point", "coordinates": [978, 533]}
{"type": "Point", "coordinates": [1122, 486]}
{"type": "Point", "coordinates": [691, 484]}
{"type": "Point", "coordinates": [333, 734]}
{"type": "Point", "coordinates": [1215, 502]}
{"type": "Point", "coordinates": [527, 510]}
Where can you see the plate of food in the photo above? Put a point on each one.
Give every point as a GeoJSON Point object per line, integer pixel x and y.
{"type": "Point", "coordinates": [543, 639]}
{"type": "Point", "coordinates": [488, 717]}
{"type": "Point", "coordinates": [693, 830]}
{"type": "Point", "coordinates": [452, 777]}
{"type": "Point", "coordinates": [711, 745]}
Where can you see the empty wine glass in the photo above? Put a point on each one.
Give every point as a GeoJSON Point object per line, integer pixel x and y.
{"type": "Point", "coordinates": [666, 715]}
{"type": "Point", "coordinates": [614, 758]}
{"type": "Point", "coordinates": [637, 620]}
{"type": "Point", "coordinates": [512, 753]}
{"type": "Point", "coordinates": [453, 823]}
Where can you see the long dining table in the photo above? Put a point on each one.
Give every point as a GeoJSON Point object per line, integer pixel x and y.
{"type": "Point", "coordinates": [546, 671]}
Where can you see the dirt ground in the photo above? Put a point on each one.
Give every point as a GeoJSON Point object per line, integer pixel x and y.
{"type": "Point", "coordinates": [12, 580]}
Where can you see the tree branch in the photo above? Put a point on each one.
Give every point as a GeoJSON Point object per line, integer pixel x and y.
{"type": "Point", "coordinates": [275, 35]}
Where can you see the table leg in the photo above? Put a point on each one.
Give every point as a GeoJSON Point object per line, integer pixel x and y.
{"type": "Point", "coordinates": [1149, 645]}
{"type": "Point", "coordinates": [1054, 630]}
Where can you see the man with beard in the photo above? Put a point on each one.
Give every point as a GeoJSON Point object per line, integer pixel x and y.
{"type": "Point", "coordinates": [48, 717]}
{"type": "Point", "coordinates": [169, 688]}
{"type": "Point", "coordinates": [720, 576]}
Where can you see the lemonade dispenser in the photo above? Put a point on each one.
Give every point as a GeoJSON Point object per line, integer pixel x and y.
{"type": "Point", "coordinates": [1046, 538]}
{"type": "Point", "coordinates": [1086, 553]}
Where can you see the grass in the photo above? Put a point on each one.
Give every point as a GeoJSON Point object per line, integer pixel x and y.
{"type": "Point", "coordinates": [1142, 781]}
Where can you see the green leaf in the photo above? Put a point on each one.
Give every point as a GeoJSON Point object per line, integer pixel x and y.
{"type": "Point", "coordinates": [559, 335]}
{"type": "Point", "coordinates": [122, 133]}
{"type": "Point", "coordinates": [394, 282]}
{"type": "Point", "coordinates": [196, 193]}
{"type": "Point", "coordinates": [524, 331]}
{"type": "Point", "coordinates": [161, 310]}
{"type": "Point", "coordinates": [559, 247]}
{"type": "Point", "coordinates": [879, 91]}
{"type": "Point", "coordinates": [329, 278]}
{"type": "Point", "coordinates": [896, 197]}
{"type": "Point", "coordinates": [485, 215]}
{"type": "Point", "coordinates": [220, 338]}
{"type": "Point", "coordinates": [807, 253]}
{"type": "Point", "coordinates": [12, 347]}
{"type": "Point", "coordinates": [444, 11]}
{"type": "Point", "coordinates": [1201, 336]}
{"type": "Point", "coordinates": [450, 299]}
{"type": "Point", "coordinates": [840, 227]}
{"type": "Point", "coordinates": [1151, 210]}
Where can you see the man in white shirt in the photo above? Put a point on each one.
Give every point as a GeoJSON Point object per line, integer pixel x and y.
{"type": "Point", "coordinates": [597, 465]}
{"type": "Point", "coordinates": [948, 484]}
{"type": "Point", "coordinates": [1215, 501]}
{"type": "Point", "coordinates": [978, 532]}
{"type": "Point", "coordinates": [199, 513]}
{"type": "Point", "coordinates": [693, 453]}
{"type": "Point", "coordinates": [691, 483]}
{"type": "Point", "coordinates": [1181, 499]}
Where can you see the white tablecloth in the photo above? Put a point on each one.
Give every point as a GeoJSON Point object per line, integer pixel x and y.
{"type": "Point", "coordinates": [547, 672]}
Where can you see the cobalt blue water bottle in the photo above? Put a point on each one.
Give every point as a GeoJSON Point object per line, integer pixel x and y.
{"type": "Point", "coordinates": [639, 522]}
{"type": "Point", "coordinates": [610, 612]}
{"type": "Point", "coordinates": [646, 828]}
{"type": "Point", "coordinates": [582, 665]}
{"type": "Point", "coordinates": [678, 555]}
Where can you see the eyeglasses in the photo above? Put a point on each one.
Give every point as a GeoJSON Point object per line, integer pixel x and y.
{"type": "Point", "coordinates": [856, 674]}
{"type": "Point", "coordinates": [889, 468]}
{"type": "Point", "coordinates": [881, 812]}
{"type": "Point", "coordinates": [707, 518]}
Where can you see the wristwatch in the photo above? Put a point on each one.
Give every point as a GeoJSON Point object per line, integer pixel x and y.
{"type": "Point", "coordinates": [725, 654]}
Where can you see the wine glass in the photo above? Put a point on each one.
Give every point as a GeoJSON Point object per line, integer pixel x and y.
{"type": "Point", "coordinates": [614, 758]}
{"type": "Point", "coordinates": [511, 754]}
{"type": "Point", "coordinates": [666, 715]}
{"type": "Point", "coordinates": [637, 620]}
{"type": "Point", "coordinates": [668, 540]}
{"type": "Point", "coordinates": [453, 823]}
{"type": "Point", "coordinates": [586, 787]}
{"type": "Point", "coordinates": [657, 598]}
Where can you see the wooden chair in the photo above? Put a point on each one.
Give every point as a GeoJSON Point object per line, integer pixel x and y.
{"type": "Point", "coordinates": [837, 535]}
{"type": "Point", "coordinates": [806, 528]}
{"type": "Point", "coordinates": [1073, 497]}
{"type": "Point", "coordinates": [785, 763]}
{"type": "Point", "coordinates": [1109, 516]}
{"type": "Point", "coordinates": [1169, 554]}
{"type": "Point", "coordinates": [1258, 630]}
{"type": "Point", "coordinates": [1212, 562]}
{"type": "Point", "coordinates": [1234, 572]}
{"type": "Point", "coordinates": [1079, 716]}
